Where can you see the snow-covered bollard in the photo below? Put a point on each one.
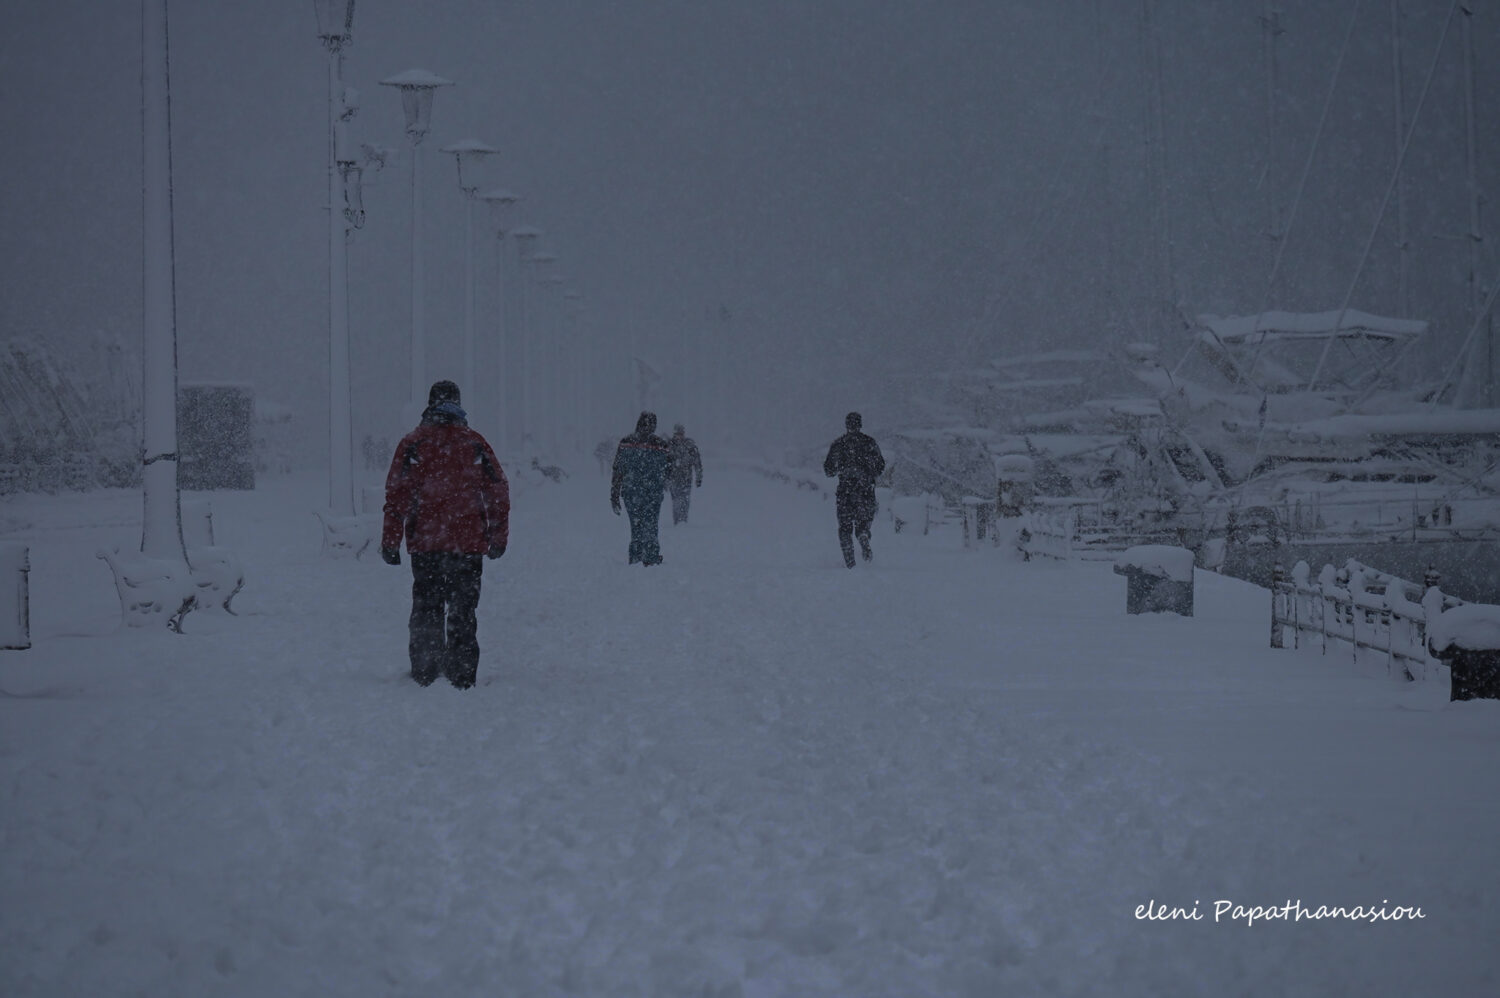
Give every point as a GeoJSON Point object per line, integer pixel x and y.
{"type": "Point", "coordinates": [1158, 579]}
{"type": "Point", "coordinates": [15, 607]}
{"type": "Point", "coordinates": [1467, 639]}
{"type": "Point", "coordinates": [1014, 474]}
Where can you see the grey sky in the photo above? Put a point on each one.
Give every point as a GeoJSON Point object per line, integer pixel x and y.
{"type": "Point", "coordinates": [843, 188]}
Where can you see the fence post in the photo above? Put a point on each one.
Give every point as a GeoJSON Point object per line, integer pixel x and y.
{"type": "Point", "coordinates": [15, 616]}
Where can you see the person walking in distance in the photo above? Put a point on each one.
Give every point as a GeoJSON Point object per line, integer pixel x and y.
{"type": "Point", "coordinates": [447, 494]}
{"type": "Point", "coordinates": [687, 470]}
{"type": "Point", "coordinates": [856, 461]}
{"type": "Point", "coordinates": [643, 461]}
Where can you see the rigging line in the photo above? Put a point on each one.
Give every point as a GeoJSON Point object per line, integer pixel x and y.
{"type": "Point", "coordinates": [1286, 230]}
{"type": "Point", "coordinates": [1051, 202]}
{"type": "Point", "coordinates": [1338, 69]}
{"type": "Point", "coordinates": [1458, 358]}
{"type": "Point", "coordinates": [1160, 128]}
{"type": "Point", "coordinates": [1270, 26]}
{"type": "Point", "coordinates": [1385, 201]}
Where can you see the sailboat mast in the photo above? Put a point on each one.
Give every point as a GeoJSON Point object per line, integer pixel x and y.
{"type": "Point", "coordinates": [1156, 160]}
{"type": "Point", "coordinates": [1270, 30]}
{"type": "Point", "coordinates": [1399, 105]}
{"type": "Point", "coordinates": [1486, 355]}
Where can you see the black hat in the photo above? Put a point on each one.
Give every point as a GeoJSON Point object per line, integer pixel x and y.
{"type": "Point", "coordinates": [442, 391]}
{"type": "Point", "coordinates": [853, 421]}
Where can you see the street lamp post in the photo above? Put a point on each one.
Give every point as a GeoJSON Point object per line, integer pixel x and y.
{"type": "Point", "coordinates": [469, 153]}
{"type": "Point", "coordinates": [524, 236]}
{"type": "Point", "coordinates": [155, 584]}
{"type": "Point", "coordinates": [579, 370]}
{"type": "Point", "coordinates": [165, 579]}
{"type": "Point", "coordinates": [557, 401]}
{"type": "Point", "coordinates": [539, 320]}
{"type": "Point", "coordinates": [417, 86]}
{"type": "Point", "coordinates": [161, 536]}
{"type": "Point", "coordinates": [335, 30]}
{"type": "Point", "coordinates": [500, 201]}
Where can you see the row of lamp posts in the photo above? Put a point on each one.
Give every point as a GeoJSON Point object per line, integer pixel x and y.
{"type": "Point", "coordinates": [173, 582]}
{"type": "Point", "coordinates": [335, 29]}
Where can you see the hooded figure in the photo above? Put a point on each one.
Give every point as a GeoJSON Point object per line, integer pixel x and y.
{"type": "Point", "coordinates": [687, 471]}
{"type": "Point", "coordinates": [447, 494]}
{"type": "Point", "coordinates": [642, 463]}
{"type": "Point", "coordinates": [856, 460]}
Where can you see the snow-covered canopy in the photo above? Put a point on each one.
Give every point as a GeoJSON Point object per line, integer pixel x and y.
{"type": "Point", "coordinates": [1295, 351]}
{"type": "Point", "coordinates": [416, 78]}
{"type": "Point", "coordinates": [1427, 421]}
{"type": "Point", "coordinates": [1267, 326]}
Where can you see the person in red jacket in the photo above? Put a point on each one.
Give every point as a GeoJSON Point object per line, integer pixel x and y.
{"type": "Point", "coordinates": [447, 493]}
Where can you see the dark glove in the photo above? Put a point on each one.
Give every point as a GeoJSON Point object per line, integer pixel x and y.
{"type": "Point", "coordinates": [496, 550]}
{"type": "Point", "coordinates": [614, 504]}
{"type": "Point", "coordinates": [699, 485]}
{"type": "Point", "coordinates": [391, 556]}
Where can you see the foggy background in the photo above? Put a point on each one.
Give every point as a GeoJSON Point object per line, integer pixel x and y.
{"type": "Point", "coordinates": [820, 200]}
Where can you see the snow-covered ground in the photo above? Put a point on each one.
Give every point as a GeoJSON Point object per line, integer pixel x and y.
{"type": "Point", "coordinates": [746, 772]}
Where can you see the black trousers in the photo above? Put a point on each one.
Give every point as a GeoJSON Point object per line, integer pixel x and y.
{"type": "Point", "coordinates": [682, 496]}
{"type": "Point", "coordinates": [444, 625]}
{"type": "Point", "coordinates": [855, 513]}
{"type": "Point", "coordinates": [645, 532]}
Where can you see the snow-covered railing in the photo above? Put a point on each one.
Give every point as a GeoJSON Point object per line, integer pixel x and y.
{"type": "Point", "coordinates": [1097, 529]}
{"type": "Point", "coordinates": [1359, 610]}
{"type": "Point", "coordinates": [916, 513]}
{"type": "Point", "coordinates": [1311, 517]}
{"type": "Point", "coordinates": [1047, 530]}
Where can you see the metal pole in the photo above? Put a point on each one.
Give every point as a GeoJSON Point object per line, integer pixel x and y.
{"type": "Point", "coordinates": [523, 299]}
{"type": "Point", "coordinates": [1402, 262]}
{"type": "Point", "coordinates": [161, 535]}
{"type": "Point", "coordinates": [340, 433]}
{"type": "Point", "coordinates": [418, 320]}
{"type": "Point", "coordinates": [502, 367]}
{"type": "Point", "coordinates": [466, 377]}
{"type": "Point", "coordinates": [1271, 27]}
{"type": "Point", "coordinates": [1476, 232]}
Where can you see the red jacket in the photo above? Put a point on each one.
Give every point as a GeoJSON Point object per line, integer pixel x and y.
{"type": "Point", "coordinates": [445, 491]}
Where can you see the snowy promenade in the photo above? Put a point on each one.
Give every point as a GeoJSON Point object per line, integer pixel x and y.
{"type": "Point", "coordinates": [747, 772]}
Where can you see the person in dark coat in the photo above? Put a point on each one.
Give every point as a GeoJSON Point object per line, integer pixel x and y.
{"type": "Point", "coordinates": [687, 470]}
{"type": "Point", "coordinates": [643, 461]}
{"type": "Point", "coordinates": [856, 460]}
{"type": "Point", "coordinates": [447, 494]}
